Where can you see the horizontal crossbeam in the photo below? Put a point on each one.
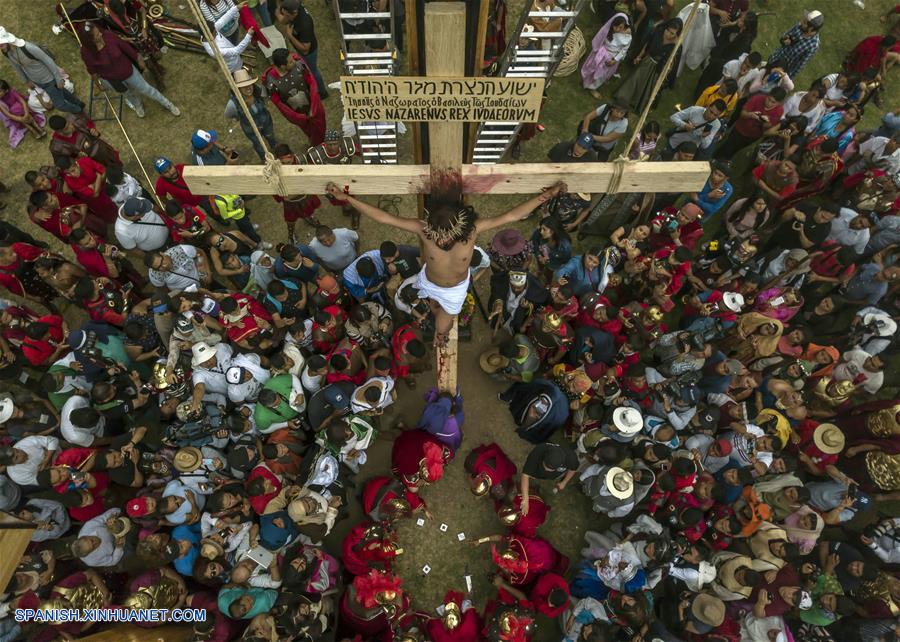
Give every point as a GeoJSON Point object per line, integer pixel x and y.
{"type": "Point", "coordinates": [518, 178]}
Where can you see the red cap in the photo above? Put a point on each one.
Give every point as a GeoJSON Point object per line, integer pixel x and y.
{"type": "Point", "coordinates": [137, 507]}
{"type": "Point", "coordinates": [724, 447]}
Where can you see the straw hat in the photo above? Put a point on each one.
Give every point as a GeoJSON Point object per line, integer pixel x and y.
{"type": "Point", "coordinates": [188, 459]}
{"type": "Point", "coordinates": [627, 420]}
{"type": "Point", "coordinates": [7, 406]}
{"type": "Point", "coordinates": [708, 609]}
{"type": "Point", "coordinates": [619, 482]}
{"type": "Point", "coordinates": [829, 439]}
{"type": "Point", "coordinates": [734, 301]}
{"type": "Point", "coordinates": [242, 78]}
{"type": "Point", "coordinates": [491, 360]}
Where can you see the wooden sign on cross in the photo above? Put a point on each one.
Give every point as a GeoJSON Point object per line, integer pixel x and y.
{"type": "Point", "coordinates": [445, 29]}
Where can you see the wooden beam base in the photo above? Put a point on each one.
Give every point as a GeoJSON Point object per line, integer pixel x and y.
{"type": "Point", "coordinates": [518, 178]}
{"type": "Point", "coordinates": [446, 361]}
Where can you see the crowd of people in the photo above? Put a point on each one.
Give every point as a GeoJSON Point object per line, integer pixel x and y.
{"type": "Point", "coordinates": [188, 407]}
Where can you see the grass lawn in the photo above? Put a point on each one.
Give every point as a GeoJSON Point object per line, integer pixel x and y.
{"type": "Point", "coordinates": [195, 85]}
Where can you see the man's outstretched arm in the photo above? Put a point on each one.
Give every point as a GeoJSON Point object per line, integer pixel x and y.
{"type": "Point", "coordinates": [520, 212]}
{"type": "Point", "coordinates": [374, 213]}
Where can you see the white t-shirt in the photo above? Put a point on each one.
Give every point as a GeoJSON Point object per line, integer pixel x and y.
{"type": "Point", "coordinates": [610, 127]}
{"type": "Point", "coordinates": [339, 254]}
{"type": "Point", "coordinates": [74, 434]}
{"type": "Point", "coordinates": [213, 379]}
{"type": "Point", "coordinates": [183, 273]}
{"type": "Point", "coordinates": [147, 234]}
{"type": "Point", "coordinates": [128, 188]}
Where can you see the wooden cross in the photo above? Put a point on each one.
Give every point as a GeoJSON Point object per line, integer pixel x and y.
{"type": "Point", "coordinates": [445, 31]}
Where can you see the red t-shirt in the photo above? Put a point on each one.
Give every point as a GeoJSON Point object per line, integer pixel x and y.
{"type": "Point", "coordinates": [248, 326]}
{"type": "Point", "coordinates": [53, 223]}
{"type": "Point", "coordinates": [38, 351]}
{"type": "Point", "coordinates": [177, 190]}
{"type": "Point", "coordinates": [83, 185]}
{"type": "Point", "coordinates": [752, 127]}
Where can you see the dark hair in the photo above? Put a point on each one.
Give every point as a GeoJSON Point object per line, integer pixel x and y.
{"type": "Point", "coordinates": [719, 105]}
{"type": "Point", "coordinates": [360, 313]}
{"type": "Point", "coordinates": [730, 85]}
{"type": "Point", "coordinates": [650, 127]}
{"type": "Point", "coordinates": [381, 362]}
{"type": "Point", "coordinates": [339, 362]}
{"type": "Point", "coordinates": [85, 417]}
{"type": "Point", "coordinates": [289, 252]}
{"type": "Point", "coordinates": [115, 174]}
{"type": "Point", "coordinates": [509, 349]}
{"type": "Point", "coordinates": [63, 162]}
{"type": "Point", "coordinates": [388, 248]}
{"type": "Point", "coordinates": [37, 330]}
{"type": "Point", "coordinates": [282, 149]}
{"type": "Point", "coordinates": [57, 122]}
{"type": "Point", "coordinates": [778, 93]}
{"type": "Point", "coordinates": [687, 147]}
{"type": "Point", "coordinates": [267, 396]}
{"type": "Point", "coordinates": [228, 305]}
{"type": "Point", "coordinates": [748, 205]}
{"type": "Point", "coordinates": [754, 57]}
{"type": "Point", "coordinates": [323, 230]}
{"type": "Point", "coordinates": [134, 329]}
{"type": "Point", "coordinates": [84, 288]}
{"type": "Point", "coordinates": [256, 487]}
{"type": "Point", "coordinates": [752, 578]}
{"type": "Point", "coordinates": [173, 207]}
{"type": "Point", "coordinates": [280, 57]}
{"type": "Point", "coordinates": [416, 348]}
{"type": "Point", "coordinates": [372, 394]}
{"type": "Point", "coordinates": [38, 199]}
{"type": "Point", "coordinates": [556, 228]}
{"type": "Point", "coordinates": [617, 21]}
{"type": "Point", "coordinates": [366, 267]}
{"type": "Point", "coordinates": [276, 288]}
{"type": "Point", "coordinates": [316, 362]}
{"type": "Point", "coordinates": [150, 257]}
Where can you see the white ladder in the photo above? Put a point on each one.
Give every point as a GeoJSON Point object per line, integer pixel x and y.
{"type": "Point", "coordinates": [377, 140]}
{"type": "Point", "coordinates": [495, 137]}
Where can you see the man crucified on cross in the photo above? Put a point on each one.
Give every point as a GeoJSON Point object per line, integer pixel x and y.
{"type": "Point", "coordinates": [448, 235]}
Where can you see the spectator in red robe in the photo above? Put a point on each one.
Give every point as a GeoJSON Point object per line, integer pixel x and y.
{"type": "Point", "coordinates": [296, 95]}
{"type": "Point", "coordinates": [86, 179]}
{"type": "Point", "coordinates": [458, 621]}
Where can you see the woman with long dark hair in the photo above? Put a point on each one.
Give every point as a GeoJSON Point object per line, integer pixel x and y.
{"type": "Point", "coordinates": [551, 245]}
{"type": "Point", "coordinates": [635, 91]}
{"type": "Point", "coordinates": [747, 216]}
{"type": "Point", "coordinates": [115, 64]}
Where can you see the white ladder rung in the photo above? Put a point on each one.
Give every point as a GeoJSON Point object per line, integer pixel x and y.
{"type": "Point", "coordinates": [365, 16]}
{"type": "Point", "coordinates": [367, 36]}
{"type": "Point", "coordinates": [370, 54]}
{"type": "Point", "coordinates": [552, 14]}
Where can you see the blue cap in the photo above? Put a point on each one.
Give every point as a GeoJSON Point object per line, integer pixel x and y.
{"type": "Point", "coordinates": [162, 164]}
{"type": "Point", "coordinates": [201, 138]}
{"type": "Point", "coordinates": [585, 141]}
{"type": "Point", "coordinates": [336, 397]}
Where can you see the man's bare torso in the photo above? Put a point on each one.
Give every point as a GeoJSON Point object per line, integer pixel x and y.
{"type": "Point", "coordinates": [446, 268]}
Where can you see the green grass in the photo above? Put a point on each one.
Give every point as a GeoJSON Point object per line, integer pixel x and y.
{"type": "Point", "coordinates": [194, 83]}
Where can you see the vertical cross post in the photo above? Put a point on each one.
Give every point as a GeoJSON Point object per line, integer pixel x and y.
{"type": "Point", "coordinates": [445, 31]}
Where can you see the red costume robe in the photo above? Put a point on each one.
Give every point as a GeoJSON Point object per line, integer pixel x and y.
{"type": "Point", "coordinates": [82, 186]}
{"type": "Point", "coordinates": [313, 122]}
{"type": "Point", "coordinates": [360, 612]}
{"type": "Point", "coordinates": [536, 556]}
{"type": "Point", "coordinates": [361, 555]}
{"type": "Point", "coordinates": [528, 524]}
{"type": "Point", "coordinates": [418, 459]}
{"type": "Point", "coordinates": [491, 461]}
{"type": "Point", "coordinates": [468, 630]}
{"type": "Point", "coordinates": [380, 492]}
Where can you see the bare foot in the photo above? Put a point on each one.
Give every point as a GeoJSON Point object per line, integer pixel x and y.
{"type": "Point", "coordinates": [440, 339]}
{"type": "Point", "coordinates": [596, 94]}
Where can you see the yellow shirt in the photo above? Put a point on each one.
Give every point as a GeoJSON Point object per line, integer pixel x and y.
{"type": "Point", "coordinates": [711, 94]}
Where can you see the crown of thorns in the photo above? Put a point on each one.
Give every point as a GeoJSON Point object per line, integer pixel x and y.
{"type": "Point", "coordinates": [455, 231]}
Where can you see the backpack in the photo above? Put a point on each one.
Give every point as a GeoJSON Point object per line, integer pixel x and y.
{"type": "Point", "coordinates": [41, 47]}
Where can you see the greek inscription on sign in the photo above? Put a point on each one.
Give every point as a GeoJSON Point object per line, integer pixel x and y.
{"type": "Point", "coordinates": [417, 99]}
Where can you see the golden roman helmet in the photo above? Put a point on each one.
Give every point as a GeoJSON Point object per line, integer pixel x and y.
{"type": "Point", "coordinates": [375, 531]}
{"type": "Point", "coordinates": [137, 601]}
{"type": "Point", "coordinates": [552, 321]}
{"type": "Point", "coordinates": [509, 515]}
{"type": "Point", "coordinates": [158, 378]}
{"type": "Point", "coordinates": [654, 313]}
{"type": "Point", "coordinates": [481, 486]}
{"type": "Point", "coordinates": [54, 605]}
{"type": "Point", "coordinates": [386, 597]}
{"type": "Point", "coordinates": [507, 618]}
{"type": "Point", "coordinates": [452, 615]}
{"type": "Point", "coordinates": [883, 423]}
{"type": "Point", "coordinates": [397, 508]}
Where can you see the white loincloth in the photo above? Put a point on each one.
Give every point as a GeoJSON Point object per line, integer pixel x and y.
{"type": "Point", "coordinates": [450, 299]}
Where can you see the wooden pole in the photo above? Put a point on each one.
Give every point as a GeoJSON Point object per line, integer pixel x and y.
{"type": "Point", "coordinates": [445, 31]}
{"type": "Point", "coordinates": [480, 38]}
{"type": "Point", "coordinates": [413, 69]}
{"type": "Point", "coordinates": [15, 535]}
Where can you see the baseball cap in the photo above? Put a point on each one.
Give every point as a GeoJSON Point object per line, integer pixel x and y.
{"type": "Point", "coordinates": [815, 18]}
{"type": "Point", "coordinates": [136, 205]}
{"type": "Point", "coordinates": [137, 507]}
{"type": "Point", "coordinates": [585, 141]}
{"type": "Point", "coordinates": [161, 164]}
{"type": "Point", "coordinates": [336, 397]}
{"type": "Point", "coordinates": [235, 374]}
{"type": "Point", "coordinates": [201, 138]}
{"type": "Point", "coordinates": [734, 367]}
{"type": "Point", "coordinates": [709, 418]}
{"type": "Point", "coordinates": [724, 447]}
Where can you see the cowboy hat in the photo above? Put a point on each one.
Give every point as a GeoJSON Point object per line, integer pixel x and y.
{"type": "Point", "coordinates": [734, 301]}
{"type": "Point", "coordinates": [6, 38]}
{"type": "Point", "coordinates": [619, 482]}
{"type": "Point", "coordinates": [627, 420]}
{"type": "Point", "coordinates": [508, 242]}
{"type": "Point", "coordinates": [708, 609]}
{"type": "Point", "coordinates": [201, 353]}
{"type": "Point", "coordinates": [829, 439]}
{"type": "Point", "coordinates": [491, 360]}
{"type": "Point", "coordinates": [518, 279]}
{"type": "Point", "coordinates": [7, 406]}
{"type": "Point", "coordinates": [242, 78]}
{"type": "Point", "coordinates": [188, 459]}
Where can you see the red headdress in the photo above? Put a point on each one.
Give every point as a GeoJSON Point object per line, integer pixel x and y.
{"type": "Point", "coordinates": [432, 464]}
{"type": "Point", "coordinates": [514, 565]}
{"type": "Point", "coordinates": [370, 589]}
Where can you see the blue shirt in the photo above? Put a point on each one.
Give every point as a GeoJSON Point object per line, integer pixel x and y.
{"type": "Point", "coordinates": [793, 57]}
{"type": "Point", "coordinates": [177, 489]}
{"type": "Point", "coordinates": [710, 206]}
{"type": "Point", "coordinates": [190, 533]}
{"type": "Point", "coordinates": [864, 287]}
{"type": "Point", "coordinates": [356, 285]}
{"type": "Point", "coordinates": [212, 157]}
{"type": "Point", "coordinates": [582, 280]}
{"type": "Point", "coordinates": [828, 127]}
{"type": "Point", "coordinates": [301, 273]}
